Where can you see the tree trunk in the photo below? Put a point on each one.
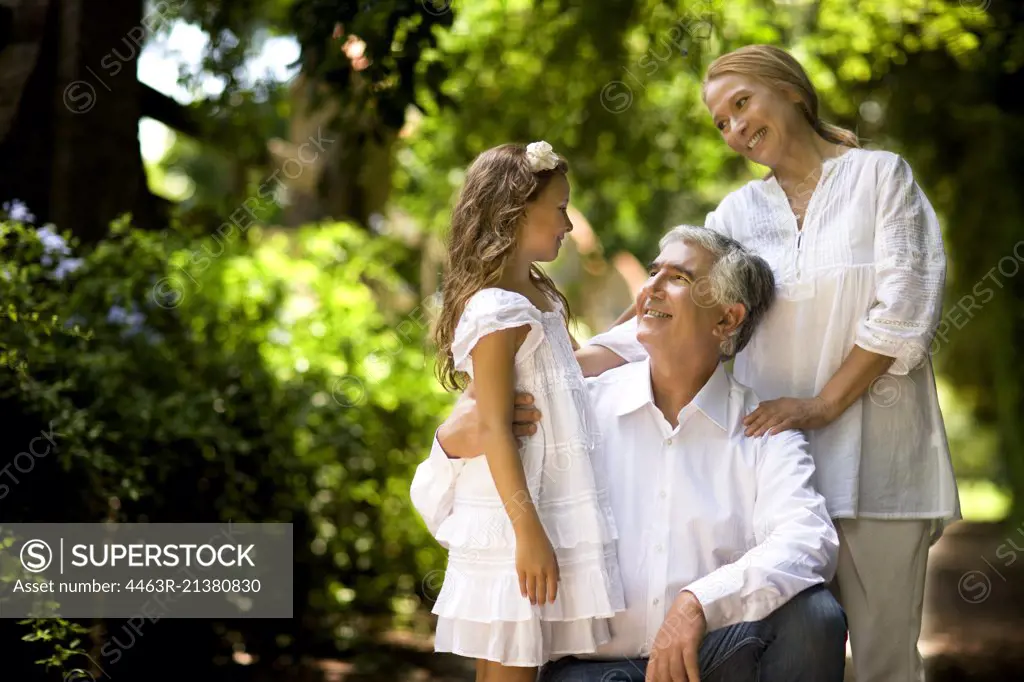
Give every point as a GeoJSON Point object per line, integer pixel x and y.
{"type": "Point", "coordinates": [69, 113]}
{"type": "Point", "coordinates": [350, 176]}
{"type": "Point", "coordinates": [26, 65]}
{"type": "Point", "coordinates": [97, 172]}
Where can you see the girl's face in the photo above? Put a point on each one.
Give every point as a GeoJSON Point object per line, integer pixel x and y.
{"type": "Point", "coordinates": [546, 222]}
{"type": "Point", "coordinates": [754, 118]}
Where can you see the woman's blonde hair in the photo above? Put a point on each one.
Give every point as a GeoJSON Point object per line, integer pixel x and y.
{"type": "Point", "coordinates": [779, 69]}
{"type": "Point", "coordinates": [483, 239]}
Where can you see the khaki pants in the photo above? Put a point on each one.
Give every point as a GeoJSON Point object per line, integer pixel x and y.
{"type": "Point", "coordinates": [880, 581]}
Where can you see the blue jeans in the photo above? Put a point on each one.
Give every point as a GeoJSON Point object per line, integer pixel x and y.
{"type": "Point", "coordinates": [804, 640]}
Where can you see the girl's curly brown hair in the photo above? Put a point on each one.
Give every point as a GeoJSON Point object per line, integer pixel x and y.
{"type": "Point", "coordinates": [485, 232]}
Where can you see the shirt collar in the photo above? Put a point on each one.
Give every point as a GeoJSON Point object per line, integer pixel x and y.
{"type": "Point", "coordinates": [712, 399]}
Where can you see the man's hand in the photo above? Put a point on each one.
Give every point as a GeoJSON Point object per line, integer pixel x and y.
{"type": "Point", "coordinates": [459, 434]}
{"type": "Point", "coordinates": [674, 655]}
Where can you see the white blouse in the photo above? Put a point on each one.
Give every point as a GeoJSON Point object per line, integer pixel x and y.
{"type": "Point", "coordinates": [867, 268]}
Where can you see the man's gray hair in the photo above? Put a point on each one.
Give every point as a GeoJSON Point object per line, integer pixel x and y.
{"type": "Point", "coordinates": [736, 276]}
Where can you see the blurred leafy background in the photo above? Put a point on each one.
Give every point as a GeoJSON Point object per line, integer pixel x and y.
{"type": "Point", "coordinates": [234, 326]}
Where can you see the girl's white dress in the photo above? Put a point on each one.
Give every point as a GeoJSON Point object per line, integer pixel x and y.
{"type": "Point", "coordinates": [481, 612]}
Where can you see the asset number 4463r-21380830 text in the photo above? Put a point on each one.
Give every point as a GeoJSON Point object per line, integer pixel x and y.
{"type": "Point", "coordinates": [241, 585]}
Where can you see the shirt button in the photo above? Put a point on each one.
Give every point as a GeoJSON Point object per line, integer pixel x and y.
{"type": "Point", "coordinates": [662, 494]}
{"type": "Point", "coordinates": [658, 547]}
{"type": "Point", "coordinates": [668, 441]}
{"type": "Point", "coordinates": [657, 601]}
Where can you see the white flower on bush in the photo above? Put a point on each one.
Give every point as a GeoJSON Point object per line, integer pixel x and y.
{"type": "Point", "coordinates": [52, 242]}
{"type": "Point", "coordinates": [54, 247]}
{"type": "Point", "coordinates": [16, 210]}
{"type": "Point", "coordinates": [131, 318]}
{"type": "Point", "coordinates": [66, 267]}
{"type": "Point", "coordinates": [134, 322]}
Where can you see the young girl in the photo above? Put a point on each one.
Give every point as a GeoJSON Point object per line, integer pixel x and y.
{"type": "Point", "coordinates": [532, 572]}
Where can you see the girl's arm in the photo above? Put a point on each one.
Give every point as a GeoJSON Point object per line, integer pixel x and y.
{"type": "Point", "coordinates": [494, 358]}
{"type": "Point", "coordinates": [610, 349]}
{"type": "Point", "coordinates": [596, 360]}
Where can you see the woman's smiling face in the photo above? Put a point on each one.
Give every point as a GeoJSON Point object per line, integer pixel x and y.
{"type": "Point", "coordinates": [755, 119]}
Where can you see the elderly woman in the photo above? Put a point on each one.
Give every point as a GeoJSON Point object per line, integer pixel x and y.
{"type": "Point", "coordinates": [859, 263]}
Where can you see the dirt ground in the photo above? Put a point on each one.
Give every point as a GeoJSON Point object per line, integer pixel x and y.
{"type": "Point", "coordinates": [974, 604]}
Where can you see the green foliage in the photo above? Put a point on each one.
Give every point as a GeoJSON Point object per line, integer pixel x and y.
{"type": "Point", "coordinates": [617, 90]}
{"type": "Point", "coordinates": [62, 634]}
{"type": "Point", "coordinates": [397, 35]}
{"type": "Point", "coordinates": [222, 177]}
{"type": "Point", "coordinates": [269, 377]}
{"type": "Point", "coordinates": [30, 297]}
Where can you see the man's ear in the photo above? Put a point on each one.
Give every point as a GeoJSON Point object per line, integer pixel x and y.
{"type": "Point", "coordinates": [732, 317]}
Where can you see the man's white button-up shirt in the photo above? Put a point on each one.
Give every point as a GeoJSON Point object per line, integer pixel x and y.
{"type": "Point", "coordinates": [699, 507]}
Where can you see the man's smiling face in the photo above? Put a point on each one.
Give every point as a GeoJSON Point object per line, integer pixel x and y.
{"type": "Point", "coordinates": [676, 311]}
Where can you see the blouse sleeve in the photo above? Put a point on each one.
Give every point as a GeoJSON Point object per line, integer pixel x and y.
{"type": "Point", "coordinates": [716, 221]}
{"type": "Point", "coordinates": [910, 270]}
{"type": "Point", "coordinates": [489, 311]}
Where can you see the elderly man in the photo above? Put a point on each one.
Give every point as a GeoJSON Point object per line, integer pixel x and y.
{"type": "Point", "coordinates": [724, 545]}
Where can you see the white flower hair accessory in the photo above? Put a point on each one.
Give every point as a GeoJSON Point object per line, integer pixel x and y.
{"type": "Point", "coordinates": [541, 156]}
